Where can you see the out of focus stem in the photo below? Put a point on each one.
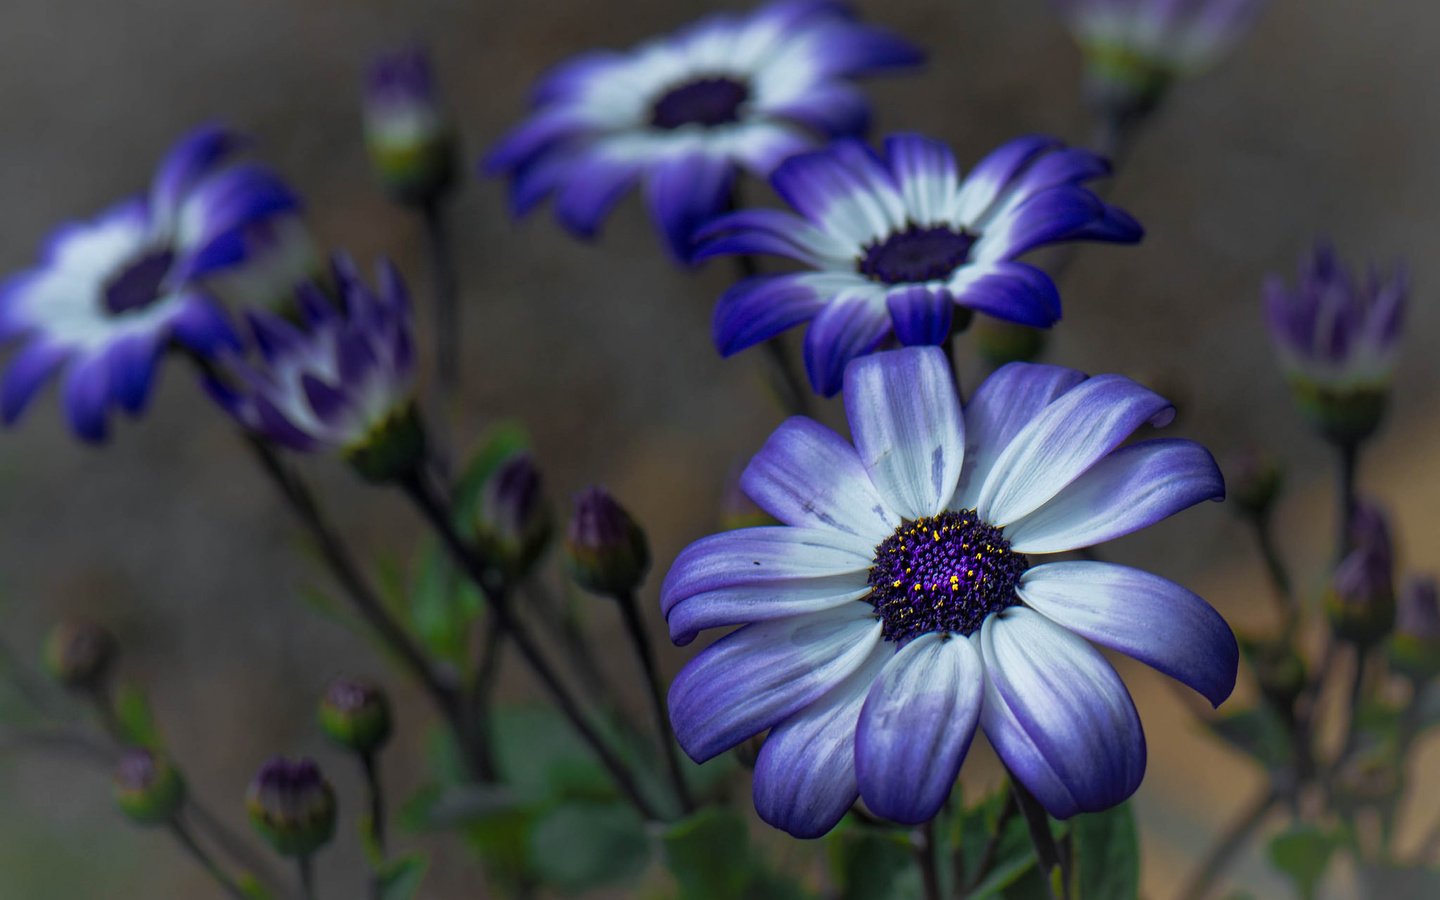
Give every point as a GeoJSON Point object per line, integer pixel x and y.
{"type": "Point", "coordinates": [1276, 570]}
{"type": "Point", "coordinates": [307, 876]}
{"type": "Point", "coordinates": [1037, 821]}
{"type": "Point", "coordinates": [207, 862]}
{"type": "Point", "coordinates": [445, 325]}
{"type": "Point", "coordinates": [992, 846]}
{"type": "Point", "coordinates": [790, 387]}
{"type": "Point", "coordinates": [1235, 837]}
{"type": "Point", "coordinates": [925, 860]}
{"type": "Point", "coordinates": [635, 627]}
{"type": "Point", "coordinates": [1349, 457]}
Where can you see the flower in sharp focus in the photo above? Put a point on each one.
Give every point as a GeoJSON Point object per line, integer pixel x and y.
{"type": "Point", "coordinates": [1338, 337]}
{"type": "Point", "coordinates": [898, 607]}
{"type": "Point", "coordinates": [341, 381]}
{"type": "Point", "coordinates": [407, 130]}
{"type": "Point", "coordinates": [684, 112]}
{"type": "Point", "coordinates": [1134, 49]}
{"type": "Point", "coordinates": [893, 244]}
{"type": "Point", "coordinates": [111, 293]}
{"type": "Point", "coordinates": [292, 806]}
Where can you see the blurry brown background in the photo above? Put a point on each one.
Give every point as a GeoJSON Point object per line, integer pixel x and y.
{"type": "Point", "coordinates": [1325, 121]}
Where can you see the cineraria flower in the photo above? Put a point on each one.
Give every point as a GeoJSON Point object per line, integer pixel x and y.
{"type": "Point", "coordinates": [343, 382]}
{"type": "Point", "coordinates": [1338, 338]}
{"type": "Point", "coordinates": [898, 608]}
{"type": "Point", "coordinates": [111, 293]}
{"type": "Point", "coordinates": [896, 243]}
{"type": "Point", "coordinates": [682, 113]}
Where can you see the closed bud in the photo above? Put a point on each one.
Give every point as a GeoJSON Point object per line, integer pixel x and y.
{"type": "Point", "coordinates": [147, 788]}
{"type": "Point", "coordinates": [999, 342]}
{"type": "Point", "coordinates": [1361, 599]}
{"type": "Point", "coordinates": [1415, 646]}
{"type": "Point", "coordinates": [409, 135]}
{"type": "Point", "coordinates": [292, 806]}
{"type": "Point", "coordinates": [1254, 479]}
{"type": "Point", "coordinates": [606, 552]}
{"type": "Point", "coordinates": [356, 715]}
{"type": "Point", "coordinates": [80, 654]}
{"type": "Point", "coordinates": [513, 519]}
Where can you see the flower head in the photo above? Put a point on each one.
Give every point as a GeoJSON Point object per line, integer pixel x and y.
{"type": "Point", "coordinates": [901, 606]}
{"type": "Point", "coordinates": [292, 806]}
{"type": "Point", "coordinates": [681, 114]}
{"type": "Point", "coordinates": [894, 243]}
{"type": "Point", "coordinates": [110, 294]}
{"type": "Point", "coordinates": [355, 715]}
{"type": "Point", "coordinates": [147, 788]}
{"type": "Point", "coordinates": [407, 130]}
{"type": "Point", "coordinates": [605, 550]}
{"type": "Point", "coordinates": [1338, 338]}
{"type": "Point", "coordinates": [341, 381]}
{"type": "Point", "coordinates": [513, 521]}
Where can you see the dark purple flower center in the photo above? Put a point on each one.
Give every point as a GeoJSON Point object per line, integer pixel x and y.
{"type": "Point", "coordinates": [137, 284]}
{"type": "Point", "coordinates": [916, 254]}
{"type": "Point", "coordinates": [943, 573]}
{"type": "Point", "coordinates": [704, 101]}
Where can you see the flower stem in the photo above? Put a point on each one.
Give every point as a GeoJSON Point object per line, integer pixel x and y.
{"type": "Point", "coordinates": [924, 845]}
{"type": "Point", "coordinates": [446, 322]}
{"type": "Point", "coordinates": [207, 862]}
{"type": "Point", "coordinates": [635, 626]}
{"type": "Point", "coordinates": [307, 876]}
{"type": "Point", "coordinates": [438, 513]}
{"type": "Point", "coordinates": [1037, 820]}
{"type": "Point", "coordinates": [1224, 851]}
{"type": "Point", "coordinates": [1275, 568]}
{"type": "Point", "coordinates": [376, 794]}
{"type": "Point", "coordinates": [1349, 454]}
{"type": "Point", "coordinates": [992, 846]}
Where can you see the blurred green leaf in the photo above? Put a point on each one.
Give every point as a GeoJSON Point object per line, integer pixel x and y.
{"type": "Point", "coordinates": [870, 864]}
{"type": "Point", "coordinates": [1258, 733]}
{"type": "Point", "coordinates": [456, 806]}
{"type": "Point", "coordinates": [1107, 849]}
{"type": "Point", "coordinates": [579, 846]}
{"type": "Point", "coordinates": [400, 878]}
{"type": "Point", "coordinates": [134, 718]}
{"type": "Point", "coordinates": [253, 889]}
{"type": "Point", "coordinates": [542, 759]}
{"type": "Point", "coordinates": [709, 855]}
{"type": "Point", "coordinates": [1013, 856]}
{"type": "Point", "coordinates": [442, 605]}
{"type": "Point", "coordinates": [1303, 853]}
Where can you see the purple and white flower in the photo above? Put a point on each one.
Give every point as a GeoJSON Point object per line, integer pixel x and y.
{"type": "Point", "coordinates": [338, 380]}
{"type": "Point", "coordinates": [898, 609]}
{"type": "Point", "coordinates": [1171, 36]}
{"type": "Point", "coordinates": [684, 112]}
{"type": "Point", "coordinates": [110, 294]}
{"type": "Point", "coordinates": [893, 244]}
{"type": "Point", "coordinates": [407, 129]}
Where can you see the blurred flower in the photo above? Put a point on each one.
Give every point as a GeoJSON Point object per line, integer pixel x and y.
{"type": "Point", "coordinates": [355, 715]}
{"type": "Point", "coordinates": [111, 293]}
{"type": "Point", "coordinates": [896, 243]}
{"type": "Point", "coordinates": [682, 113]}
{"type": "Point", "coordinates": [1338, 338]}
{"type": "Point", "coordinates": [280, 256]}
{"type": "Point", "coordinates": [147, 788]}
{"type": "Point", "coordinates": [292, 806]}
{"type": "Point", "coordinates": [897, 608]}
{"type": "Point", "coordinates": [1255, 479]}
{"type": "Point", "coordinates": [1361, 599]}
{"type": "Point", "coordinates": [1134, 49]}
{"type": "Point", "coordinates": [606, 551]}
{"type": "Point", "coordinates": [513, 520]}
{"type": "Point", "coordinates": [79, 654]}
{"type": "Point", "coordinates": [407, 130]}
{"type": "Point", "coordinates": [1415, 646]}
{"type": "Point", "coordinates": [342, 381]}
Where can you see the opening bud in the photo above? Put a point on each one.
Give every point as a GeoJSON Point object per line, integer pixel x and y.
{"type": "Point", "coordinates": [147, 788]}
{"type": "Point", "coordinates": [356, 715]}
{"type": "Point", "coordinates": [292, 806]}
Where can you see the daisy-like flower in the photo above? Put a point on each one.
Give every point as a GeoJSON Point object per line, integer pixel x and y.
{"type": "Point", "coordinates": [684, 112]}
{"type": "Point", "coordinates": [894, 244]}
{"type": "Point", "coordinates": [1338, 338]}
{"type": "Point", "coordinates": [899, 607]}
{"type": "Point", "coordinates": [110, 294]}
{"type": "Point", "coordinates": [342, 382]}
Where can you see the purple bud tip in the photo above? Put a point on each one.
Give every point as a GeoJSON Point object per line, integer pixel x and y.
{"type": "Point", "coordinates": [137, 770]}
{"type": "Point", "coordinates": [599, 522]}
{"type": "Point", "coordinates": [402, 75]}
{"type": "Point", "coordinates": [348, 695]}
{"type": "Point", "coordinates": [607, 551]}
{"type": "Point", "coordinates": [512, 493]}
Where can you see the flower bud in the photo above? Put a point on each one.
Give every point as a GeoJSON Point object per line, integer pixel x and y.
{"type": "Point", "coordinates": [147, 788]}
{"type": "Point", "coordinates": [1279, 669]}
{"type": "Point", "coordinates": [605, 550]}
{"type": "Point", "coordinates": [1361, 599]}
{"type": "Point", "coordinates": [79, 654]}
{"type": "Point", "coordinates": [355, 715]}
{"type": "Point", "coordinates": [407, 131]}
{"type": "Point", "coordinates": [1415, 646]}
{"type": "Point", "coordinates": [999, 342]}
{"type": "Point", "coordinates": [513, 520]}
{"type": "Point", "coordinates": [292, 806]}
{"type": "Point", "coordinates": [1254, 479]}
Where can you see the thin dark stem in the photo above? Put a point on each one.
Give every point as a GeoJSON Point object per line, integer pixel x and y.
{"type": "Point", "coordinates": [1235, 837]}
{"type": "Point", "coordinates": [577, 647]}
{"type": "Point", "coordinates": [1352, 710]}
{"type": "Point", "coordinates": [188, 842]}
{"type": "Point", "coordinates": [1275, 568]}
{"type": "Point", "coordinates": [438, 513]}
{"type": "Point", "coordinates": [228, 841]}
{"type": "Point", "coordinates": [790, 387]}
{"type": "Point", "coordinates": [636, 629]}
{"type": "Point", "coordinates": [924, 844]}
{"type": "Point", "coordinates": [307, 876]}
{"type": "Point", "coordinates": [1349, 453]}
{"type": "Point", "coordinates": [376, 793]}
{"type": "Point", "coordinates": [1037, 821]}
{"type": "Point", "coordinates": [446, 324]}
{"type": "Point", "coordinates": [992, 846]}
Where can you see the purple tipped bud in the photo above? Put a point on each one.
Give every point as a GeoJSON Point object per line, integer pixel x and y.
{"type": "Point", "coordinates": [513, 521]}
{"type": "Point", "coordinates": [292, 806]}
{"type": "Point", "coordinates": [356, 715]}
{"type": "Point", "coordinates": [606, 551]}
{"type": "Point", "coordinates": [1361, 600]}
{"type": "Point", "coordinates": [1415, 646]}
{"type": "Point", "coordinates": [1253, 479]}
{"type": "Point", "coordinates": [80, 655]}
{"type": "Point", "coordinates": [147, 788]}
{"type": "Point", "coordinates": [407, 131]}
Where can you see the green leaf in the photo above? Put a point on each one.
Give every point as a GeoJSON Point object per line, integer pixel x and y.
{"type": "Point", "coordinates": [1303, 853]}
{"type": "Point", "coordinates": [134, 718]}
{"type": "Point", "coordinates": [400, 878]}
{"type": "Point", "coordinates": [253, 889]}
{"type": "Point", "coordinates": [542, 759]}
{"type": "Point", "coordinates": [709, 855]}
{"type": "Point", "coordinates": [869, 864]}
{"type": "Point", "coordinates": [443, 605]}
{"type": "Point", "coordinates": [578, 847]}
{"type": "Point", "coordinates": [1013, 855]}
{"type": "Point", "coordinates": [1107, 849]}
{"type": "Point", "coordinates": [1258, 733]}
{"type": "Point", "coordinates": [455, 806]}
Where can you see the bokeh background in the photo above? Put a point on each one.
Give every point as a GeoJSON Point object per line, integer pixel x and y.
{"type": "Point", "coordinates": [1323, 122]}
